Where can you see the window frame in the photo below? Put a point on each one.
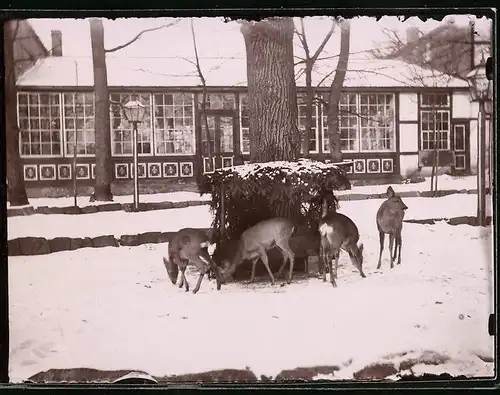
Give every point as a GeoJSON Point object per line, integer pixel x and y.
{"type": "Point", "coordinates": [448, 142]}
{"type": "Point", "coordinates": [60, 130]}
{"type": "Point", "coordinates": [112, 130]}
{"type": "Point", "coordinates": [359, 127]}
{"type": "Point", "coordinates": [194, 125]}
{"type": "Point", "coordinates": [65, 131]}
{"type": "Point", "coordinates": [316, 127]}
{"type": "Point", "coordinates": [242, 151]}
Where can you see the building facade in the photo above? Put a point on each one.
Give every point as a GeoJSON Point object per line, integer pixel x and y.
{"type": "Point", "coordinates": [389, 125]}
{"type": "Point", "coordinates": [454, 50]}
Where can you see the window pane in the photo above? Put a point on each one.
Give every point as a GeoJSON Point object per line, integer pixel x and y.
{"type": "Point", "coordinates": [174, 124]}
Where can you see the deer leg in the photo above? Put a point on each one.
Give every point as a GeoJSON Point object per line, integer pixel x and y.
{"type": "Point", "coordinates": [288, 255]}
{"type": "Point", "coordinates": [285, 259]}
{"type": "Point", "coordinates": [254, 263]}
{"type": "Point", "coordinates": [333, 273]}
{"type": "Point", "coordinates": [399, 241]}
{"type": "Point", "coordinates": [183, 279]}
{"type": "Point", "coordinates": [198, 284]}
{"type": "Point", "coordinates": [381, 236]}
{"type": "Point", "coordinates": [265, 261]}
{"type": "Point", "coordinates": [325, 257]}
{"type": "Point", "coordinates": [217, 277]}
{"type": "Point", "coordinates": [391, 244]}
{"type": "Point", "coordinates": [356, 264]}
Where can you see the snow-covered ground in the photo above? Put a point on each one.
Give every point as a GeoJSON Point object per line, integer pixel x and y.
{"type": "Point", "coordinates": [118, 223]}
{"type": "Point", "coordinates": [445, 182]}
{"type": "Point", "coordinates": [114, 308]}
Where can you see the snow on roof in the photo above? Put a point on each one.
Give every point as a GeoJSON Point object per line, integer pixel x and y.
{"type": "Point", "coordinates": [222, 72]}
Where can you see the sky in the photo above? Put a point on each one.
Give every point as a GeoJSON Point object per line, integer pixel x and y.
{"type": "Point", "coordinates": [216, 38]}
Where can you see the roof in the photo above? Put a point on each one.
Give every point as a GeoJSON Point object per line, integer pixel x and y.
{"type": "Point", "coordinates": [222, 72]}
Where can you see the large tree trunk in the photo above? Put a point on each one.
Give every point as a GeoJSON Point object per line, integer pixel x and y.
{"type": "Point", "coordinates": [272, 92]}
{"type": "Point", "coordinates": [103, 171]}
{"type": "Point", "coordinates": [15, 178]}
{"type": "Point", "coordinates": [336, 91]}
{"type": "Point", "coordinates": [309, 111]}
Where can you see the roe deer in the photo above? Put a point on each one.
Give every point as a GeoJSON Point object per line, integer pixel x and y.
{"type": "Point", "coordinates": [390, 220]}
{"type": "Point", "coordinates": [256, 241]}
{"type": "Point", "coordinates": [189, 246]}
{"type": "Point", "coordinates": [338, 232]}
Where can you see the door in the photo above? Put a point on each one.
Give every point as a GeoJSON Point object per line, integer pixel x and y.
{"type": "Point", "coordinates": [218, 145]}
{"type": "Point", "coordinates": [460, 140]}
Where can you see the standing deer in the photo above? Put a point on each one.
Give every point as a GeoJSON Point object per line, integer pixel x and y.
{"type": "Point", "coordinates": [338, 232]}
{"type": "Point", "coordinates": [254, 244]}
{"type": "Point", "coordinates": [390, 220]}
{"type": "Point", "coordinates": [189, 246]}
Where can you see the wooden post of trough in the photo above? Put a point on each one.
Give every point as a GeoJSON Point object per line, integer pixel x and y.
{"type": "Point", "coordinates": [222, 212]}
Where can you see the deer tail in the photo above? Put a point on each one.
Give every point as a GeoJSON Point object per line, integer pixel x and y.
{"type": "Point", "coordinates": [172, 270]}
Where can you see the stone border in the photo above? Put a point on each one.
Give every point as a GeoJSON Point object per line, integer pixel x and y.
{"type": "Point", "coordinates": [91, 209]}
{"type": "Point", "coordinates": [42, 246]}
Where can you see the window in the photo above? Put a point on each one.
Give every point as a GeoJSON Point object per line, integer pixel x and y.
{"type": "Point", "coordinates": [435, 127]}
{"type": "Point", "coordinates": [79, 118]}
{"type": "Point", "coordinates": [366, 123]}
{"type": "Point", "coordinates": [435, 121]}
{"type": "Point", "coordinates": [174, 124]}
{"type": "Point", "coordinates": [121, 129]}
{"type": "Point", "coordinates": [244, 124]}
{"type": "Point", "coordinates": [435, 100]}
{"type": "Point", "coordinates": [377, 122]}
{"type": "Point", "coordinates": [313, 137]}
{"type": "Point", "coordinates": [220, 101]}
{"type": "Point", "coordinates": [39, 116]}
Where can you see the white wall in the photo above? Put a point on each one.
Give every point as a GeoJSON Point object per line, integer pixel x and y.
{"type": "Point", "coordinates": [408, 107]}
{"type": "Point", "coordinates": [463, 107]}
{"type": "Point", "coordinates": [408, 137]}
{"type": "Point", "coordinates": [473, 145]}
{"type": "Point", "coordinates": [408, 164]}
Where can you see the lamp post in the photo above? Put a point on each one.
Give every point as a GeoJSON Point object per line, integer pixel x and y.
{"type": "Point", "coordinates": [481, 92]}
{"type": "Point", "coordinates": [134, 112]}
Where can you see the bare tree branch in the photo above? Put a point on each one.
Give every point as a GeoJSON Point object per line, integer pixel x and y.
{"type": "Point", "coordinates": [324, 42]}
{"type": "Point", "coordinates": [138, 36]}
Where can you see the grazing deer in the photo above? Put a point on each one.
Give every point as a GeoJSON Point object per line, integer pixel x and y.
{"type": "Point", "coordinates": [254, 244]}
{"type": "Point", "coordinates": [338, 232]}
{"type": "Point", "coordinates": [390, 220]}
{"type": "Point", "coordinates": [189, 246]}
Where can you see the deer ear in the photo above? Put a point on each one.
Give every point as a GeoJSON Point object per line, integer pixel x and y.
{"type": "Point", "coordinates": [361, 246]}
{"type": "Point", "coordinates": [390, 192]}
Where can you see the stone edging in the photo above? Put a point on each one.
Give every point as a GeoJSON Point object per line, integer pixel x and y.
{"type": "Point", "coordinates": [42, 246]}
{"type": "Point", "coordinates": [91, 209]}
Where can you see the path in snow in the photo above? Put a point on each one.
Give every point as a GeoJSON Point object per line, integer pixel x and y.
{"type": "Point", "coordinates": [118, 223]}
{"type": "Point", "coordinates": [114, 308]}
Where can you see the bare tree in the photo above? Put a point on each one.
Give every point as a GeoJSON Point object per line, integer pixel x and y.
{"type": "Point", "coordinates": [272, 94]}
{"type": "Point", "coordinates": [103, 171]}
{"type": "Point", "coordinates": [336, 92]}
{"type": "Point", "coordinates": [204, 93]}
{"type": "Point", "coordinates": [15, 178]}
{"type": "Point", "coordinates": [309, 61]}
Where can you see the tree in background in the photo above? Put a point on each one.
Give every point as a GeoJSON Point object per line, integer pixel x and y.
{"type": "Point", "coordinates": [272, 94]}
{"type": "Point", "coordinates": [103, 171]}
{"type": "Point", "coordinates": [309, 61]}
{"type": "Point", "coordinates": [15, 178]}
